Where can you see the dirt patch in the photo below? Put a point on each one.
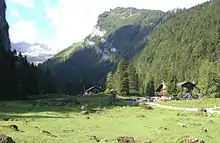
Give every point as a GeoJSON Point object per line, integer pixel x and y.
{"type": "Point", "coordinates": [48, 133]}
{"type": "Point", "coordinates": [188, 139]}
{"type": "Point", "coordinates": [181, 114]}
{"type": "Point", "coordinates": [147, 107]}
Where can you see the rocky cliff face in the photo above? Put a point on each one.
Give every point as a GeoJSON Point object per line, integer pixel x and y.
{"type": "Point", "coordinates": [4, 26]}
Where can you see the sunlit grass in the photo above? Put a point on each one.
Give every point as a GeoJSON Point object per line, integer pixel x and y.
{"type": "Point", "coordinates": [69, 125]}
{"type": "Point", "coordinates": [206, 103]}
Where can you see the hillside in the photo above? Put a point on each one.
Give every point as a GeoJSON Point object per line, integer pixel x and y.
{"type": "Point", "coordinates": [175, 46]}
{"type": "Point", "coordinates": [185, 47]}
{"type": "Point", "coordinates": [120, 32]}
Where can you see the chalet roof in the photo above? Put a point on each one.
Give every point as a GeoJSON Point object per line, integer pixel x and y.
{"type": "Point", "coordinates": [183, 84]}
{"type": "Point", "coordinates": [159, 88]}
{"type": "Point", "coordinates": [93, 88]}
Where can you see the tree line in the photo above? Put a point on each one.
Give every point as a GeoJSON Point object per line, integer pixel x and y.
{"type": "Point", "coordinates": [20, 79]}
{"type": "Point", "coordinates": [124, 80]}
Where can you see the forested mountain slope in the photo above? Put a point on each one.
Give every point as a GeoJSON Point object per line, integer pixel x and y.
{"type": "Point", "coordinates": [185, 47]}
{"type": "Point", "coordinates": [120, 32]}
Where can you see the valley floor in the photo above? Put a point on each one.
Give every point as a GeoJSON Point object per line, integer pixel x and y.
{"type": "Point", "coordinates": [63, 119]}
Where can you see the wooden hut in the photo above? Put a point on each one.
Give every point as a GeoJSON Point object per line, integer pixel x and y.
{"type": "Point", "coordinates": [190, 86]}
{"type": "Point", "coordinates": [93, 90]}
{"type": "Point", "coordinates": [161, 90]}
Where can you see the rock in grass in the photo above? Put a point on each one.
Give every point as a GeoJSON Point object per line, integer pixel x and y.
{"type": "Point", "coordinates": [6, 139]}
{"type": "Point", "coordinates": [84, 112]}
{"type": "Point", "coordinates": [148, 107]}
{"type": "Point", "coordinates": [13, 127]}
{"type": "Point", "coordinates": [140, 116]}
{"type": "Point", "coordinates": [163, 128]}
{"type": "Point", "coordinates": [125, 140]}
{"type": "Point", "coordinates": [202, 109]}
{"type": "Point", "coordinates": [203, 130]}
{"type": "Point", "coordinates": [182, 125]}
{"type": "Point", "coordinates": [210, 121]}
{"type": "Point", "coordinates": [95, 138]}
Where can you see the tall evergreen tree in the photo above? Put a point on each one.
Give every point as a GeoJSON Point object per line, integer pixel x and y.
{"type": "Point", "coordinates": [121, 79]}
{"type": "Point", "coordinates": [209, 80]}
{"type": "Point", "coordinates": [172, 84]}
{"type": "Point", "coordinates": [109, 81]}
{"type": "Point", "coordinates": [133, 78]}
{"type": "Point", "coordinates": [150, 88]}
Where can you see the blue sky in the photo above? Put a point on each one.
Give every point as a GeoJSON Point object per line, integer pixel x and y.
{"type": "Point", "coordinates": [59, 23]}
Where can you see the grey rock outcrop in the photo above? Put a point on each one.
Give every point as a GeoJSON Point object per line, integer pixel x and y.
{"type": "Point", "coordinates": [4, 26]}
{"type": "Point", "coordinates": [6, 139]}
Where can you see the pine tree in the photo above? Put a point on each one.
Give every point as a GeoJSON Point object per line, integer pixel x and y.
{"type": "Point", "coordinates": [133, 78]}
{"type": "Point", "coordinates": [213, 85]}
{"type": "Point", "coordinates": [109, 81]}
{"type": "Point", "coordinates": [203, 76]}
{"type": "Point", "coordinates": [209, 80]}
{"type": "Point", "coordinates": [150, 89]}
{"type": "Point", "coordinates": [121, 80]}
{"type": "Point", "coordinates": [172, 84]}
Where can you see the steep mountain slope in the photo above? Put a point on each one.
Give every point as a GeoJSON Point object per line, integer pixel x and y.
{"type": "Point", "coordinates": [18, 78]}
{"type": "Point", "coordinates": [36, 53]}
{"type": "Point", "coordinates": [120, 32]}
{"type": "Point", "coordinates": [186, 47]}
{"type": "Point", "coordinates": [4, 26]}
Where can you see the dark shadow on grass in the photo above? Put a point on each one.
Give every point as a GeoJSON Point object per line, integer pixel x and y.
{"type": "Point", "coordinates": [18, 117]}
{"type": "Point", "coordinates": [62, 105]}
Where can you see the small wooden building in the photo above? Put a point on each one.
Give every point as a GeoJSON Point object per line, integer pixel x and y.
{"type": "Point", "coordinates": [161, 90]}
{"type": "Point", "coordinates": [93, 90]}
{"type": "Point", "coordinates": [189, 86]}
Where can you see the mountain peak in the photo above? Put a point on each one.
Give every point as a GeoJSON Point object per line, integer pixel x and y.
{"type": "Point", "coordinates": [36, 53]}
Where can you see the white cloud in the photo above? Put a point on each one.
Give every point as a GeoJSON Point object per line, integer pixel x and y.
{"type": "Point", "coordinates": [23, 31]}
{"type": "Point", "coordinates": [74, 20]}
{"type": "Point", "coordinates": [14, 12]}
{"type": "Point", "coordinates": [26, 3]}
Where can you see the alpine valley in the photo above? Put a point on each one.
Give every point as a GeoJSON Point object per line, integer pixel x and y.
{"type": "Point", "coordinates": [174, 46]}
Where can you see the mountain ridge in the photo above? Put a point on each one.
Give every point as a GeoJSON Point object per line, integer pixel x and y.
{"type": "Point", "coordinates": [36, 53]}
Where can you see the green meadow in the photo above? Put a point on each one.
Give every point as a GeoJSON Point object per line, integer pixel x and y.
{"type": "Point", "coordinates": [60, 120]}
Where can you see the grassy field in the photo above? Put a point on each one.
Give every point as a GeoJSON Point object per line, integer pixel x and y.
{"type": "Point", "coordinates": [206, 103]}
{"type": "Point", "coordinates": [62, 118]}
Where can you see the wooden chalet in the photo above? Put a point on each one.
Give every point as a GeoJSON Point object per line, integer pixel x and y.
{"type": "Point", "coordinates": [93, 90]}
